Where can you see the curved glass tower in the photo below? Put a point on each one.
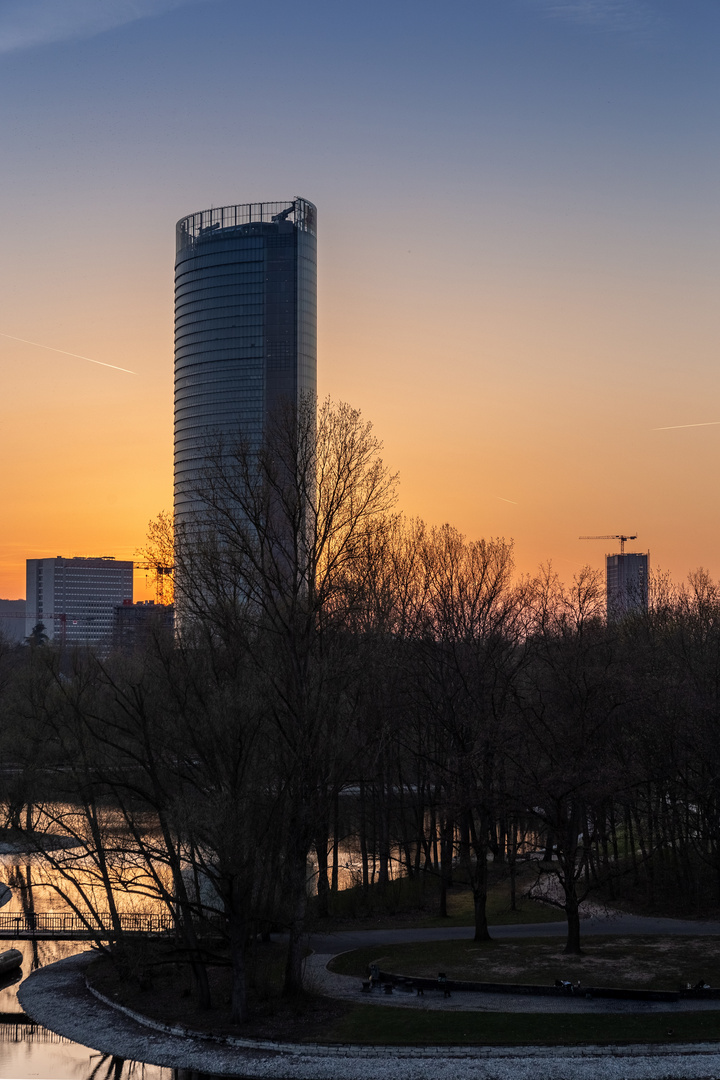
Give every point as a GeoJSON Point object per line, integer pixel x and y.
{"type": "Point", "coordinates": [245, 327]}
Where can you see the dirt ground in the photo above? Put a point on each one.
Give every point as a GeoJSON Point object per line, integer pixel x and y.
{"type": "Point", "coordinates": [639, 962]}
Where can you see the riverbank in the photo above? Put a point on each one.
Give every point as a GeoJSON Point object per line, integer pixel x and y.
{"type": "Point", "coordinates": [16, 843]}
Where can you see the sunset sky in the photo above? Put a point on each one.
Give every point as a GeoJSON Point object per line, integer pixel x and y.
{"type": "Point", "coordinates": [518, 238]}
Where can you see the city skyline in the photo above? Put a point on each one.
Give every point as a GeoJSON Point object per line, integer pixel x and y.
{"type": "Point", "coordinates": [517, 276]}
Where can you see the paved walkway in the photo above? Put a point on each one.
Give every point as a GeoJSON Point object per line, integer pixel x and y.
{"type": "Point", "coordinates": [56, 997]}
{"type": "Point", "coordinates": [613, 923]}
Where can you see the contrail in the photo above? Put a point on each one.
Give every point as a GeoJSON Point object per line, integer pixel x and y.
{"type": "Point", "coordinates": [674, 427]}
{"type": "Point", "coordinates": [507, 500]}
{"type": "Point", "coordinates": [66, 353]}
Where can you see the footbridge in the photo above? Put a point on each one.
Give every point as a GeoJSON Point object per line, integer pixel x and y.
{"type": "Point", "coordinates": [61, 926]}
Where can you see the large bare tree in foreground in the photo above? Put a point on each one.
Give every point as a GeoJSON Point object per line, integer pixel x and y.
{"type": "Point", "coordinates": [268, 569]}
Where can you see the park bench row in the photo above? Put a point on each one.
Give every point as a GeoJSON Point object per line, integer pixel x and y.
{"type": "Point", "coordinates": [387, 982]}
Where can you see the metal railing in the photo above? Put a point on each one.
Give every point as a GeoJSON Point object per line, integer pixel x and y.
{"type": "Point", "coordinates": [205, 223]}
{"type": "Point", "coordinates": [62, 924]}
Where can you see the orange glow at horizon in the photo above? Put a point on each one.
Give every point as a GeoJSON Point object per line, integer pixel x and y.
{"type": "Point", "coordinates": [500, 410]}
{"type": "Point", "coordinates": [91, 460]}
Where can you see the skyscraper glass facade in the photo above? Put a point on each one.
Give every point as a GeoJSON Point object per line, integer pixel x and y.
{"type": "Point", "coordinates": [245, 327]}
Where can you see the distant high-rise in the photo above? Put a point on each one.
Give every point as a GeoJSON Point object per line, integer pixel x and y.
{"type": "Point", "coordinates": [626, 583]}
{"type": "Point", "coordinates": [75, 599]}
{"type": "Point", "coordinates": [245, 328]}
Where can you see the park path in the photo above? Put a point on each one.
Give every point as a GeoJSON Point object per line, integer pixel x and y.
{"type": "Point", "coordinates": [612, 923]}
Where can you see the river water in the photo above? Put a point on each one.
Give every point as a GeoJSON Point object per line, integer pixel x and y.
{"type": "Point", "coordinates": [31, 1052]}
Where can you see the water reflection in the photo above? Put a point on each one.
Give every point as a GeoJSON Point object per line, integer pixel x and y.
{"type": "Point", "coordinates": [31, 1052]}
{"type": "Point", "coordinates": [27, 1050]}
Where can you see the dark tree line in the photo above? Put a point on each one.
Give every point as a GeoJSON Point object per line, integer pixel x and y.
{"type": "Point", "coordinates": [342, 676]}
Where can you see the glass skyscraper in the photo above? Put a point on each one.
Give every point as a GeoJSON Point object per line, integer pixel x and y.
{"type": "Point", "coordinates": [245, 327]}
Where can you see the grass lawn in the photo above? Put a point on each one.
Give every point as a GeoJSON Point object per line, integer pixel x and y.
{"type": "Point", "coordinates": [376, 1025]}
{"type": "Point", "coordinates": [461, 911]}
{"type": "Point", "coordinates": [661, 963]}
{"type": "Point", "coordinates": [416, 902]}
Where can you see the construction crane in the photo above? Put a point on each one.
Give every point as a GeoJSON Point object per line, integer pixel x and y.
{"type": "Point", "coordinates": [613, 536]}
{"type": "Point", "coordinates": [161, 571]}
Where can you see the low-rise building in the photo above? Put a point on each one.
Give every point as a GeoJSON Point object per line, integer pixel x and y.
{"type": "Point", "coordinates": [135, 624]}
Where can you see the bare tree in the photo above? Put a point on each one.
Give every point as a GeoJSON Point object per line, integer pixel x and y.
{"type": "Point", "coordinates": [265, 567]}
{"type": "Point", "coordinates": [158, 555]}
{"type": "Point", "coordinates": [469, 650]}
{"type": "Point", "coordinates": [570, 703]}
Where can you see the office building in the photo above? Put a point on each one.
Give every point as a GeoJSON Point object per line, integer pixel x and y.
{"type": "Point", "coordinates": [245, 328]}
{"type": "Point", "coordinates": [75, 599]}
{"type": "Point", "coordinates": [136, 624]}
{"type": "Point", "coordinates": [626, 583]}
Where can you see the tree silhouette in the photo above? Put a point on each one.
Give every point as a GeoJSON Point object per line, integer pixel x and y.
{"type": "Point", "coordinates": [37, 635]}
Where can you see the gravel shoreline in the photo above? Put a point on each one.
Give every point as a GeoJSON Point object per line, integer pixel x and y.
{"type": "Point", "coordinates": [57, 997]}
